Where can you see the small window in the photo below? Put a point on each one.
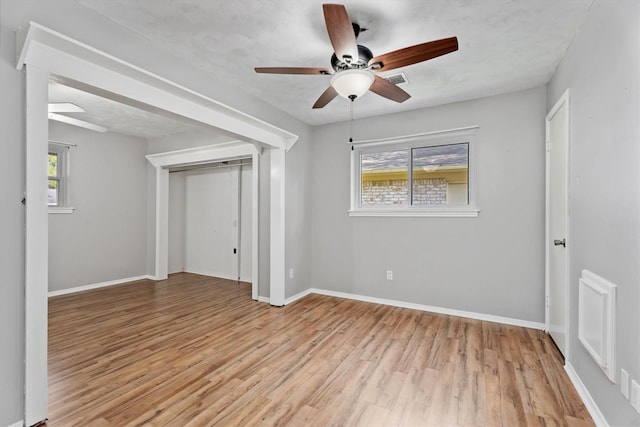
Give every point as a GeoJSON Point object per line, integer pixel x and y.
{"type": "Point", "coordinates": [440, 175]}
{"type": "Point", "coordinates": [54, 179]}
{"type": "Point", "coordinates": [425, 175]}
{"type": "Point", "coordinates": [384, 177]}
{"type": "Point", "coordinates": [58, 195]}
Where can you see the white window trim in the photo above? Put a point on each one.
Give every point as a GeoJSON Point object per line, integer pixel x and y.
{"type": "Point", "coordinates": [64, 195]}
{"type": "Point", "coordinates": [61, 210]}
{"type": "Point", "coordinates": [444, 137]}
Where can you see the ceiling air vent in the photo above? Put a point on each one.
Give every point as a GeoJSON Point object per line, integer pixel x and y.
{"type": "Point", "coordinates": [397, 79]}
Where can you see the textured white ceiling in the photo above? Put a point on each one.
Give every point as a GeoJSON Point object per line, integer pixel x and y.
{"type": "Point", "coordinates": [117, 116]}
{"type": "Point", "coordinates": [505, 45]}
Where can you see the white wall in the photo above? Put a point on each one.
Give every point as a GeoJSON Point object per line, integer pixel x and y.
{"type": "Point", "coordinates": [297, 217]}
{"type": "Point", "coordinates": [104, 239]}
{"type": "Point", "coordinates": [602, 69]}
{"type": "Point", "coordinates": [492, 264]}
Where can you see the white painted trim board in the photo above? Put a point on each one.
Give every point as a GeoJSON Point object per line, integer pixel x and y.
{"type": "Point", "coordinates": [36, 43]}
{"type": "Point", "coordinates": [98, 285]}
{"type": "Point", "coordinates": [583, 392]}
{"type": "Point", "coordinates": [420, 307]}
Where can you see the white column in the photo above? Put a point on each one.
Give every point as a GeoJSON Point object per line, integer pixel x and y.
{"type": "Point", "coordinates": [277, 234]}
{"type": "Point", "coordinates": [36, 245]}
{"type": "Point", "coordinates": [255, 190]}
{"type": "Point", "coordinates": [162, 223]}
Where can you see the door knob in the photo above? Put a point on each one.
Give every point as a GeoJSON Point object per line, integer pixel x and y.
{"type": "Point", "coordinates": [562, 243]}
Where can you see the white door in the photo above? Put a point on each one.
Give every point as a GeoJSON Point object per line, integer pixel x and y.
{"type": "Point", "coordinates": [211, 222]}
{"type": "Point", "coordinates": [246, 198]}
{"type": "Point", "coordinates": [557, 130]}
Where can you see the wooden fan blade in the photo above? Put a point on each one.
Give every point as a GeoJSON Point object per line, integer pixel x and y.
{"type": "Point", "coordinates": [326, 97]}
{"type": "Point", "coordinates": [340, 31]}
{"type": "Point", "coordinates": [414, 54]}
{"type": "Point", "coordinates": [293, 70]}
{"type": "Point", "coordinates": [388, 90]}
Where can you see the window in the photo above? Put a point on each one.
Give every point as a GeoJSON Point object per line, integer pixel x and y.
{"type": "Point", "coordinates": [54, 179]}
{"type": "Point", "coordinates": [423, 175]}
{"type": "Point", "coordinates": [58, 178]}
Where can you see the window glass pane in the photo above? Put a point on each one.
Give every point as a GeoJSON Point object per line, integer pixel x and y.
{"type": "Point", "coordinates": [385, 179]}
{"type": "Point", "coordinates": [52, 193]}
{"type": "Point", "coordinates": [440, 175]}
{"type": "Point", "coordinates": [53, 165]}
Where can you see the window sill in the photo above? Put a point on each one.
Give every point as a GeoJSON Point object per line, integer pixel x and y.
{"type": "Point", "coordinates": [61, 210]}
{"type": "Point", "coordinates": [437, 213]}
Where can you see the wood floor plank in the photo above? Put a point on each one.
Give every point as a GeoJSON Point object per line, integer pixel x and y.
{"type": "Point", "coordinates": [197, 351]}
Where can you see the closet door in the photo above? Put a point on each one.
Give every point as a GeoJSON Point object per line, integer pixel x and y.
{"type": "Point", "coordinates": [211, 222]}
{"type": "Point", "coordinates": [246, 211]}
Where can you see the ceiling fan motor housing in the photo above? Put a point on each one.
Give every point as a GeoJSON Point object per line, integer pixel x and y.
{"type": "Point", "coordinates": [364, 56]}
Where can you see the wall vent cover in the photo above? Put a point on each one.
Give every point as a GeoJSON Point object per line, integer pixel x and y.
{"type": "Point", "coordinates": [597, 320]}
{"type": "Point", "coordinates": [397, 79]}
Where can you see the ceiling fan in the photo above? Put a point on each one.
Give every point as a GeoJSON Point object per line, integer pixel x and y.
{"type": "Point", "coordinates": [353, 65]}
{"type": "Point", "coordinates": [55, 108]}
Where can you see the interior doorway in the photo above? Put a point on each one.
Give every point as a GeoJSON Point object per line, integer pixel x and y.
{"type": "Point", "coordinates": [210, 223]}
{"type": "Point", "coordinates": [556, 230]}
{"type": "Point", "coordinates": [45, 52]}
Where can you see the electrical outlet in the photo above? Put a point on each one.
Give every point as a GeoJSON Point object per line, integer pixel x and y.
{"type": "Point", "coordinates": [635, 395]}
{"type": "Point", "coordinates": [291, 273]}
{"type": "Point", "coordinates": [389, 275]}
{"type": "Point", "coordinates": [624, 383]}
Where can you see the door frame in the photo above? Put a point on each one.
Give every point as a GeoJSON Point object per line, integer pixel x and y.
{"type": "Point", "coordinates": [45, 52]}
{"type": "Point", "coordinates": [565, 100]}
{"type": "Point", "coordinates": [162, 162]}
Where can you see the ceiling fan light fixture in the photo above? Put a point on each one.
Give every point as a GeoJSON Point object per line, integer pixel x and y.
{"type": "Point", "coordinates": [352, 84]}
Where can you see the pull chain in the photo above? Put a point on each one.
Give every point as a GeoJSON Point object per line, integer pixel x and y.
{"type": "Point", "coordinates": [351, 121]}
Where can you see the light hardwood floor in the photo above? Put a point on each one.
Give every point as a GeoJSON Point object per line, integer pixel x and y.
{"type": "Point", "coordinates": [195, 351]}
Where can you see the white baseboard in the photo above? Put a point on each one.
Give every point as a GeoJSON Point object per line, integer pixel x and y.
{"type": "Point", "coordinates": [421, 307]}
{"type": "Point", "coordinates": [98, 285]}
{"type": "Point", "coordinates": [296, 297]}
{"type": "Point", "coordinates": [288, 300]}
{"type": "Point", "coordinates": [17, 424]}
{"type": "Point", "coordinates": [217, 275]}
{"type": "Point", "coordinates": [589, 403]}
